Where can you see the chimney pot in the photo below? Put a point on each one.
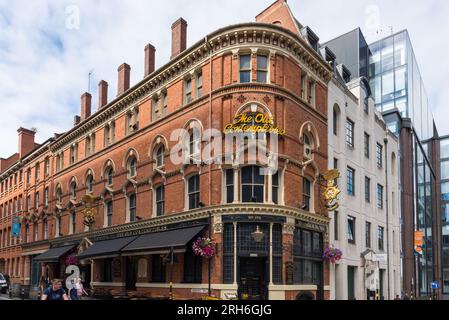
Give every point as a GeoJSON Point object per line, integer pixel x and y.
{"type": "Point", "coordinates": [102, 94]}
{"type": "Point", "coordinates": [124, 72]}
{"type": "Point", "coordinates": [150, 58]}
{"type": "Point", "coordinates": [86, 106]}
{"type": "Point", "coordinates": [179, 37]}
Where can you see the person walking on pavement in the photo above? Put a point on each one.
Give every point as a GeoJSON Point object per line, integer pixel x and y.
{"type": "Point", "coordinates": [80, 289]}
{"type": "Point", "coordinates": [55, 292]}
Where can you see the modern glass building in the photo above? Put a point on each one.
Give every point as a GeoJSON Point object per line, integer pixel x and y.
{"type": "Point", "coordinates": [444, 153]}
{"type": "Point", "coordinates": [401, 97]}
{"type": "Point", "coordinates": [397, 87]}
{"type": "Point", "coordinates": [396, 83]}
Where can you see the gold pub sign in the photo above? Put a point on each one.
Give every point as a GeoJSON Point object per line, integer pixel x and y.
{"type": "Point", "coordinates": [332, 191]}
{"type": "Point", "coordinates": [253, 123]}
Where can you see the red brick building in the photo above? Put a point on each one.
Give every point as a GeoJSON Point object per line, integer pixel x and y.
{"type": "Point", "coordinates": [268, 231]}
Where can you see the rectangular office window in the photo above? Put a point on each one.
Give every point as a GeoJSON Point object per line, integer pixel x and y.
{"type": "Point", "coordinates": [262, 69]}
{"type": "Point", "coordinates": [368, 234]}
{"type": "Point", "coordinates": [350, 133]}
{"type": "Point", "coordinates": [379, 157]}
{"type": "Point", "coordinates": [380, 238]}
{"type": "Point", "coordinates": [351, 229]}
{"type": "Point", "coordinates": [367, 189]}
{"type": "Point", "coordinates": [367, 145]}
{"type": "Point", "coordinates": [380, 196]}
{"type": "Point", "coordinates": [350, 181]}
{"type": "Point", "coordinates": [245, 68]}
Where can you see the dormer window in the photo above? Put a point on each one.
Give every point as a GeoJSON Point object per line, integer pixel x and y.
{"type": "Point", "coordinates": [311, 37]}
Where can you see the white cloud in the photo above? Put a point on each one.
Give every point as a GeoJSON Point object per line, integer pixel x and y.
{"type": "Point", "coordinates": [45, 58]}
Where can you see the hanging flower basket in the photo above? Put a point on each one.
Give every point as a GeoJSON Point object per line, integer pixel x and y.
{"type": "Point", "coordinates": [203, 247]}
{"type": "Point", "coordinates": [332, 254]}
{"type": "Point", "coordinates": [71, 260]}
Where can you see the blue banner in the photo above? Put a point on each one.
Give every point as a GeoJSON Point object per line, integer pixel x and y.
{"type": "Point", "coordinates": [15, 227]}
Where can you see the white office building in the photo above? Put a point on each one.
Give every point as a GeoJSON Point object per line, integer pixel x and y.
{"type": "Point", "coordinates": [366, 226]}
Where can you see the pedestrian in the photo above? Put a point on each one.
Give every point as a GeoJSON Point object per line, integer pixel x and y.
{"type": "Point", "coordinates": [73, 294]}
{"type": "Point", "coordinates": [55, 292]}
{"type": "Point", "coordinates": [43, 285]}
{"type": "Point", "coordinates": [80, 289]}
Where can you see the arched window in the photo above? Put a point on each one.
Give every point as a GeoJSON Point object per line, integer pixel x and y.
{"type": "Point", "coordinates": [193, 191]}
{"type": "Point", "coordinates": [73, 190]}
{"type": "Point", "coordinates": [132, 167]}
{"type": "Point", "coordinates": [59, 194]}
{"type": "Point", "coordinates": [160, 156]}
{"type": "Point", "coordinates": [252, 184]}
{"type": "Point", "coordinates": [109, 174]}
{"type": "Point", "coordinates": [308, 146]}
{"type": "Point", "coordinates": [335, 118]}
{"type": "Point", "coordinates": [194, 143]}
{"type": "Point", "coordinates": [89, 184]}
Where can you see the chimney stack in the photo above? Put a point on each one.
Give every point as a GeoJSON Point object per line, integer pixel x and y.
{"type": "Point", "coordinates": [86, 106]}
{"type": "Point", "coordinates": [102, 94]}
{"type": "Point", "coordinates": [124, 72]}
{"type": "Point", "coordinates": [179, 37]}
{"type": "Point", "coordinates": [26, 141]}
{"type": "Point", "coordinates": [150, 58]}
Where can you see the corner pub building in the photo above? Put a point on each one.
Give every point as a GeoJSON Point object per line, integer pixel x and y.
{"type": "Point", "coordinates": [269, 231]}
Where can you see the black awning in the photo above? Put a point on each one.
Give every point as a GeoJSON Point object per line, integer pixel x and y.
{"type": "Point", "coordinates": [54, 254]}
{"type": "Point", "coordinates": [163, 240]}
{"type": "Point", "coordinates": [106, 248]}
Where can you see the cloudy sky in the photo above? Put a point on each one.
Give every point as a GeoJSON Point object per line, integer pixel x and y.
{"type": "Point", "coordinates": [48, 47]}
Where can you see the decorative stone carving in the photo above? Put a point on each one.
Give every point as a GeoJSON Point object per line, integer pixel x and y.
{"type": "Point", "coordinates": [288, 228]}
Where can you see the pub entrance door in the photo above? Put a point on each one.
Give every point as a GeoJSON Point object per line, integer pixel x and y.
{"type": "Point", "coordinates": [131, 273]}
{"type": "Point", "coordinates": [253, 284]}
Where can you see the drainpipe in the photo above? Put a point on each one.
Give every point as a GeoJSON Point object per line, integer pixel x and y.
{"type": "Point", "coordinates": [388, 229]}
{"type": "Point", "coordinates": [210, 165]}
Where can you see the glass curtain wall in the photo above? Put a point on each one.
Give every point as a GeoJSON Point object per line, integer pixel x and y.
{"type": "Point", "coordinates": [444, 153]}
{"type": "Point", "coordinates": [396, 82]}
